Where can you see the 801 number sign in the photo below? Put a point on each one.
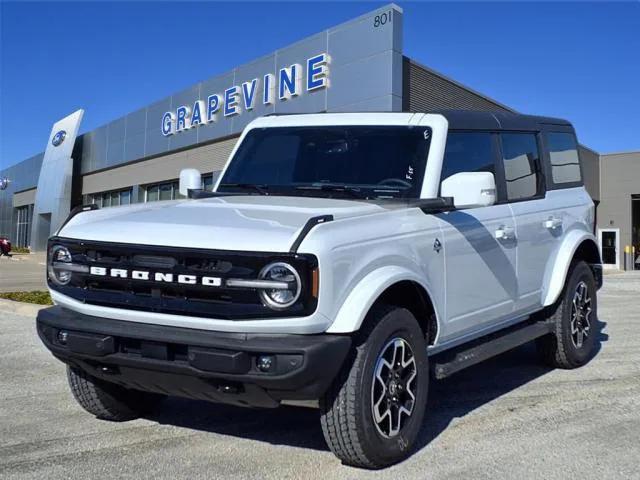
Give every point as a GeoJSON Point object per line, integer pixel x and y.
{"type": "Point", "coordinates": [382, 19]}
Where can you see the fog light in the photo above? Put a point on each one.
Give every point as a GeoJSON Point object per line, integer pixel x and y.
{"type": "Point", "coordinates": [63, 337]}
{"type": "Point", "coordinates": [265, 363]}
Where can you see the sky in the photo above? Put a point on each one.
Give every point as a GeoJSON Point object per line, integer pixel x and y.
{"type": "Point", "coordinates": [578, 61]}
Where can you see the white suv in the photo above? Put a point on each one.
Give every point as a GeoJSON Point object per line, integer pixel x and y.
{"type": "Point", "coordinates": [341, 260]}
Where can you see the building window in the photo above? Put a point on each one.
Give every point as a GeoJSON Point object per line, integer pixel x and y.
{"type": "Point", "coordinates": [113, 198]}
{"type": "Point", "coordinates": [207, 183]}
{"type": "Point", "coordinates": [23, 225]}
{"type": "Point", "coordinates": [565, 163]}
{"type": "Point", "coordinates": [162, 191]}
{"type": "Point", "coordinates": [171, 190]}
{"type": "Point", "coordinates": [468, 152]}
{"type": "Point", "coordinates": [521, 165]}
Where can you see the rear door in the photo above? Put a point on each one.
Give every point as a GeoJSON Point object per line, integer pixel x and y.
{"type": "Point", "coordinates": [481, 281]}
{"type": "Point", "coordinates": [538, 222]}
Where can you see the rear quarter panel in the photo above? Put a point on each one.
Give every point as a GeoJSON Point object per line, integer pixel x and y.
{"type": "Point", "coordinates": [578, 217]}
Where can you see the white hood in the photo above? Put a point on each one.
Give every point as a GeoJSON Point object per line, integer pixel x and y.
{"type": "Point", "coordinates": [244, 223]}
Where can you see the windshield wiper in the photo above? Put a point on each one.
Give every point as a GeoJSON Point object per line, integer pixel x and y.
{"type": "Point", "coordinates": [261, 189]}
{"type": "Point", "coordinates": [332, 187]}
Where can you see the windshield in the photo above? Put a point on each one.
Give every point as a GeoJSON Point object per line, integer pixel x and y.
{"type": "Point", "coordinates": [351, 161]}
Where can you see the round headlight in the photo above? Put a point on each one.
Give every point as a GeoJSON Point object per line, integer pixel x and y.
{"type": "Point", "coordinates": [280, 298]}
{"type": "Point", "coordinates": [59, 254]}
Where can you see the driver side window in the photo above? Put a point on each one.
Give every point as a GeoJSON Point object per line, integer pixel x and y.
{"type": "Point", "coordinates": [468, 152]}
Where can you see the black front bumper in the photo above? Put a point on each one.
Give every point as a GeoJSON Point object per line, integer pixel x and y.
{"type": "Point", "coordinates": [215, 366]}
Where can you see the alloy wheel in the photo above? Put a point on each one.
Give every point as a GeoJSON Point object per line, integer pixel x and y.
{"type": "Point", "coordinates": [393, 391]}
{"type": "Point", "coordinates": [580, 315]}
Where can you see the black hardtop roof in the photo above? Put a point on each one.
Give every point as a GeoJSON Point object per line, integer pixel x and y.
{"type": "Point", "coordinates": [484, 120]}
{"type": "Point", "coordinates": [478, 119]}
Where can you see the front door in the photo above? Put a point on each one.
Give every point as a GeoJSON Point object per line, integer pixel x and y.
{"type": "Point", "coordinates": [610, 247]}
{"type": "Point", "coordinates": [480, 261]}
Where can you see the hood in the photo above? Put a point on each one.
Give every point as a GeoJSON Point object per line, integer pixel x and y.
{"type": "Point", "coordinates": [243, 223]}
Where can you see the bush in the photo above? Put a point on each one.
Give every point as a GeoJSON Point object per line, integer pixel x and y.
{"type": "Point", "coordinates": [20, 250]}
{"type": "Point", "coordinates": [38, 297]}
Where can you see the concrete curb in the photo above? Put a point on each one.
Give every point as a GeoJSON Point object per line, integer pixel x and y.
{"type": "Point", "coordinates": [20, 308]}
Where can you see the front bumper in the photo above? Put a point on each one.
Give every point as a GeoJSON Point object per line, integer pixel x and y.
{"type": "Point", "coordinates": [214, 366]}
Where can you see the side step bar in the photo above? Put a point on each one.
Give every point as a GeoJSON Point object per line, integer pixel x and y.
{"type": "Point", "coordinates": [482, 349]}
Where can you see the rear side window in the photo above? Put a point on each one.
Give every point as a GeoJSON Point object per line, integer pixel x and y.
{"type": "Point", "coordinates": [521, 160]}
{"type": "Point", "coordinates": [468, 152]}
{"type": "Point", "coordinates": [565, 163]}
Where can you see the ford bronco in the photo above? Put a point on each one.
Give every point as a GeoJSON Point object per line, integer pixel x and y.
{"type": "Point", "coordinates": [341, 260]}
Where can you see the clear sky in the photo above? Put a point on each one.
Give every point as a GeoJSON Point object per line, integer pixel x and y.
{"type": "Point", "coordinates": [575, 60]}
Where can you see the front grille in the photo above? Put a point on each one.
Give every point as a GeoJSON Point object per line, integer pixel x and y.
{"type": "Point", "coordinates": [174, 298]}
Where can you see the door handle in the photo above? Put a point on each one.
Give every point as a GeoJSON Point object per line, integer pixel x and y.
{"type": "Point", "coordinates": [505, 233]}
{"type": "Point", "coordinates": [552, 222]}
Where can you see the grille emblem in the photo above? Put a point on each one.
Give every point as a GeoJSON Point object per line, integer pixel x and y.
{"type": "Point", "coordinates": [145, 275]}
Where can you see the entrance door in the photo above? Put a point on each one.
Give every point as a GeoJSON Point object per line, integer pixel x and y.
{"type": "Point", "coordinates": [610, 247]}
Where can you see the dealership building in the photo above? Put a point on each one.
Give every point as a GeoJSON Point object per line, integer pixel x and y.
{"type": "Point", "coordinates": [355, 66]}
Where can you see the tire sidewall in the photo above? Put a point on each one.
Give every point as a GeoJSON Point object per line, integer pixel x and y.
{"type": "Point", "coordinates": [401, 323]}
{"type": "Point", "coordinates": [579, 356]}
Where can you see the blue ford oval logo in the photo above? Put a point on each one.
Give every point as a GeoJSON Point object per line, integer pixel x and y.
{"type": "Point", "coordinates": [58, 138]}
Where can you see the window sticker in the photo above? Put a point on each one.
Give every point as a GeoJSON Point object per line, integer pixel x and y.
{"type": "Point", "coordinates": [409, 175]}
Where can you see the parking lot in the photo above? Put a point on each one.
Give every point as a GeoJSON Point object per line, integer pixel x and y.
{"type": "Point", "coordinates": [507, 418]}
{"type": "Point", "coordinates": [22, 273]}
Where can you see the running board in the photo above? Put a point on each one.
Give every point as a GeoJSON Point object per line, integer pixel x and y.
{"type": "Point", "coordinates": [484, 348]}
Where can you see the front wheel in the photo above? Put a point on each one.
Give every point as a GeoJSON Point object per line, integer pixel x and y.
{"type": "Point", "coordinates": [109, 401]}
{"type": "Point", "coordinates": [372, 414]}
{"type": "Point", "coordinates": [575, 318]}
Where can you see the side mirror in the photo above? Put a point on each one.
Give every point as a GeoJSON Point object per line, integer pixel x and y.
{"type": "Point", "coordinates": [470, 189]}
{"type": "Point", "coordinates": [190, 179]}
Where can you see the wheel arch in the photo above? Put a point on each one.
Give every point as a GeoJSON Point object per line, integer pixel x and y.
{"type": "Point", "coordinates": [577, 245]}
{"type": "Point", "coordinates": [393, 286]}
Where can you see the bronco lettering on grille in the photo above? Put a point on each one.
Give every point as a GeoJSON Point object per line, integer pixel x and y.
{"type": "Point", "coordinates": [145, 275]}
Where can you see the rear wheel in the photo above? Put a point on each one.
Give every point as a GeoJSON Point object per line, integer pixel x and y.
{"type": "Point", "coordinates": [572, 343]}
{"type": "Point", "coordinates": [372, 414]}
{"type": "Point", "coordinates": [109, 401]}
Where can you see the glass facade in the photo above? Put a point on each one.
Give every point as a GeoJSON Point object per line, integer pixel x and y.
{"type": "Point", "coordinates": [162, 191]}
{"type": "Point", "coordinates": [208, 181]}
{"type": "Point", "coordinates": [112, 199]}
{"type": "Point", "coordinates": [170, 190]}
{"type": "Point", "coordinates": [154, 192]}
{"type": "Point", "coordinates": [23, 226]}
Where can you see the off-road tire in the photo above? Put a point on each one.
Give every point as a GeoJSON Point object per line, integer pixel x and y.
{"type": "Point", "coordinates": [109, 401]}
{"type": "Point", "coordinates": [557, 349]}
{"type": "Point", "coordinates": [347, 420]}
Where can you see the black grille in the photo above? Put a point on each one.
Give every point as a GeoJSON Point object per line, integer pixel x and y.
{"type": "Point", "coordinates": [181, 299]}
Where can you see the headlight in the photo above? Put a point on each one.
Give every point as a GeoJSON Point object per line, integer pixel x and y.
{"type": "Point", "coordinates": [59, 254]}
{"type": "Point", "coordinates": [280, 298]}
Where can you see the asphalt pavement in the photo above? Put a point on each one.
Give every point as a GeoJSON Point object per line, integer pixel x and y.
{"type": "Point", "coordinates": [507, 418]}
{"type": "Point", "coordinates": [22, 273]}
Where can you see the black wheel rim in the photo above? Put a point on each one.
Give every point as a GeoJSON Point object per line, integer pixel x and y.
{"type": "Point", "coordinates": [580, 315]}
{"type": "Point", "coordinates": [393, 391]}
